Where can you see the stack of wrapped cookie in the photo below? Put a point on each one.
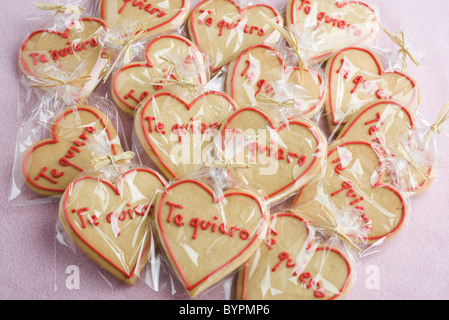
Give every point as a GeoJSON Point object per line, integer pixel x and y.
{"type": "Point", "coordinates": [226, 141]}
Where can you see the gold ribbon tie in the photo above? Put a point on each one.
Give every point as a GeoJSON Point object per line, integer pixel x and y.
{"type": "Point", "coordinates": [266, 99]}
{"type": "Point", "coordinates": [399, 39]}
{"type": "Point", "coordinates": [410, 160]}
{"type": "Point", "coordinates": [443, 117]}
{"type": "Point", "coordinates": [329, 222]}
{"type": "Point", "coordinates": [100, 162]}
{"type": "Point", "coordinates": [58, 82]}
{"type": "Point", "coordinates": [179, 81]}
{"type": "Point", "coordinates": [60, 8]}
{"type": "Point", "coordinates": [126, 44]}
{"type": "Point", "coordinates": [290, 38]}
{"type": "Point", "coordinates": [230, 164]}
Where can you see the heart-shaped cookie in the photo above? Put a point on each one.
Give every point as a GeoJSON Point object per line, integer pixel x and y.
{"type": "Point", "coordinates": [111, 221]}
{"type": "Point", "coordinates": [281, 157]}
{"type": "Point", "coordinates": [290, 265]}
{"type": "Point", "coordinates": [50, 165]}
{"type": "Point", "coordinates": [330, 25]}
{"type": "Point", "coordinates": [205, 237]}
{"type": "Point", "coordinates": [223, 30]}
{"type": "Point", "coordinates": [176, 134]}
{"type": "Point", "coordinates": [391, 127]}
{"type": "Point", "coordinates": [130, 85]}
{"type": "Point", "coordinates": [356, 78]}
{"type": "Point", "coordinates": [261, 72]}
{"type": "Point", "coordinates": [156, 16]}
{"type": "Point", "coordinates": [352, 183]}
{"type": "Point", "coordinates": [73, 54]}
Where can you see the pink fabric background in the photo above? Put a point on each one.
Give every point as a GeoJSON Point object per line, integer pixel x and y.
{"type": "Point", "coordinates": [413, 265]}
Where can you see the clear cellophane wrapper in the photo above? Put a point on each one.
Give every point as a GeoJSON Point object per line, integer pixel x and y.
{"type": "Point", "coordinates": [404, 140]}
{"type": "Point", "coordinates": [155, 17]}
{"type": "Point", "coordinates": [61, 12]}
{"type": "Point", "coordinates": [268, 75]}
{"type": "Point", "coordinates": [299, 260]}
{"type": "Point", "coordinates": [270, 149]}
{"type": "Point", "coordinates": [325, 27]}
{"type": "Point", "coordinates": [71, 50]}
{"type": "Point", "coordinates": [361, 76]}
{"type": "Point", "coordinates": [58, 140]}
{"type": "Point", "coordinates": [413, 158]}
{"type": "Point", "coordinates": [169, 62]}
{"type": "Point", "coordinates": [177, 129]}
{"type": "Point", "coordinates": [133, 26]}
{"type": "Point", "coordinates": [207, 225]}
{"type": "Point", "coordinates": [104, 223]}
{"type": "Point", "coordinates": [353, 185]}
{"type": "Point", "coordinates": [223, 29]}
{"type": "Point", "coordinates": [126, 42]}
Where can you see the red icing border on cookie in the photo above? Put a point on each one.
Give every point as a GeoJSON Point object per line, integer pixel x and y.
{"type": "Point", "coordinates": [381, 73]}
{"type": "Point", "coordinates": [188, 107]}
{"type": "Point", "coordinates": [195, 36]}
{"type": "Point", "coordinates": [374, 105]}
{"type": "Point", "coordinates": [149, 63]}
{"type": "Point", "coordinates": [377, 184]}
{"type": "Point", "coordinates": [309, 240]}
{"type": "Point", "coordinates": [322, 88]}
{"type": "Point", "coordinates": [412, 128]}
{"type": "Point", "coordinates": [339, 5]}
{"type": "Point", "coordinates": [216, 200]}
{"type": "Point", "coordinates": [56, 140]}
{"type": "Point", "coordinates": [64, 35]}
{"type": "Point", "coordinates": [117, 192]}
{"type": "Point", "coordinates": [285, 125]}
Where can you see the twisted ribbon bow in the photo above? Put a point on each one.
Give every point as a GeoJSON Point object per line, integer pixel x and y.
{"type": "Point", "coordinates": [126, 43]}
{"type": "Point", "coordinates": [58, 82]}
{"type": "Point", "coordinates": [442, 118]}
{"type": "Point", "coordinates": [410, 160]}
{"type": "Point", "coordinates": [329, 222]}
{"type": "Point", "coordinates": [399, 39]}
{"type": "Point", "coordinates": [290, 38]}
{"type": "Point", "coordinates": [61, 8]}
{"type": "Point", "coordinates": [179, 80]}
{"type": "Point", "coordinates": [266, 99]}
{"type": "Point", "coordinates": [100, 162]}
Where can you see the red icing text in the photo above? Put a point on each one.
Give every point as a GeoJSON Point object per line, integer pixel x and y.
{"type": "Point", "coordinates": [66, 160]}
{"type": "Point", "coordinates": [208, 21]}
{"type": "Point", "coordinates": [202, 225]}
{"type": "Point", "coordinates": [336, 22]}
{"type": "Point", "coordinates": [255, 148]}
{"type": "Point", "coordinates": [357, 201]}
{"type": "Point", "coordinates": [144, 6]}
{"type": "Point", "coordinates": [56, 55]}
{"type": "Point", "coordinates": [129, 213]}
{"type": "Point", "coordinates": [369, 86]}
{"type": "Point", "coordinates": [305, 278]}
{"type": "Point", "coordinates": [193, 127]}
{"type": "Point", "coordinates": [262, 84]}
